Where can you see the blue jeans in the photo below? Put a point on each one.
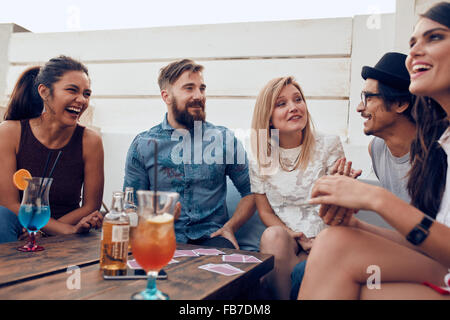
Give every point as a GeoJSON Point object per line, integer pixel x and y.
{"type": "Point", "coordinates": [296, 279]}
{"type": "Point", "coordinates": [218, 242]}
{"type": "Point", "coordinates": [10, 227]}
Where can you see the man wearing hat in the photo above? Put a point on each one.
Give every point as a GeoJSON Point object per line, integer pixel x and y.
{"type": "Point", "coordinates": [386, 105]}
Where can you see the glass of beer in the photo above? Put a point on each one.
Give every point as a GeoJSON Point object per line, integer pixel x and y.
{"type": "Point", "coordinates": [153, 242]}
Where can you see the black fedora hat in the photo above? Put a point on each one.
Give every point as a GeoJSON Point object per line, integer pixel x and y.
{"type": "Point", "coordinates": [390, 70]}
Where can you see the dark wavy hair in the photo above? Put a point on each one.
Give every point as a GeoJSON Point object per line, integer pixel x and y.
{"type": "Point", "coordinates": [391, 96]}
{"type": "Point", "coordinates": [428, 172]}
{"type": "Point", "coordinates": [25, 101]}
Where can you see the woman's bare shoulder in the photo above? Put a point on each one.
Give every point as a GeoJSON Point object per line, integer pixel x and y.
{"type": "Point", "coordinates": [10, 129]}
{"type": "Point", "coordinates": [92, 139]}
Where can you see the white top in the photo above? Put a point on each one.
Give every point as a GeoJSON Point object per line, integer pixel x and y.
{"type": "Point", "coordinates": [443, 216]}
{"type": "Point", "coordinates": [285, 190]}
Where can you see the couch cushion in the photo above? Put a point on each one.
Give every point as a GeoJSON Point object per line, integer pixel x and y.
{"type": "Point", "coordinates": [249, 234]}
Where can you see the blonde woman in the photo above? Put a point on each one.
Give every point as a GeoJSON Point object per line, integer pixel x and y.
{"type": "Point", "coordinates": [288, 157]}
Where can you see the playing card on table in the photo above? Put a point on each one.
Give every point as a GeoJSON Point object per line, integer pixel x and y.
{"type": "Point", "coordinates": [251, 259]}
{"type": "Point", "coordinates": [208, 252]}
{"type": "Point", "coordinates": [234, 258]}
{"type": "Point", "coordinates": [240, 258]}
{"type": "Point", "coordinates": [132, 264]}
{"type": "Point", "coordinates": [206, 266]}
{"type": "Point", "coordinates": [223, 269]}
{"type": "Point", "coordinates": [185, 253]}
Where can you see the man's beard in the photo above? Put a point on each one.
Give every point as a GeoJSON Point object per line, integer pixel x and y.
{"type": "Point", "coordinates": [184, 117]}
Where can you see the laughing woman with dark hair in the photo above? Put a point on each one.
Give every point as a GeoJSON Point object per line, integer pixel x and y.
{"type": "Point", "coordinates": [339, 261]}
{"type": "Point", "coordinates": [41, 119]}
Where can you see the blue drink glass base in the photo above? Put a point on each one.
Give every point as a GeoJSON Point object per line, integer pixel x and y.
{"type": "Point", "coordinates": [150, 295]}
{"type": "Point", "coordinates": [151, 292]}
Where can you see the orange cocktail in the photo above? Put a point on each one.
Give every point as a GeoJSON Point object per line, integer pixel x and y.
{"type": "Point", "coordinates": [153, 242]}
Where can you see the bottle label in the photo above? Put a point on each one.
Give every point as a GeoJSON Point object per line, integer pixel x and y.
{"type": "Point", "coordinates": [120, 233]}
{"type": "Point", "coordinates": [133, 219]}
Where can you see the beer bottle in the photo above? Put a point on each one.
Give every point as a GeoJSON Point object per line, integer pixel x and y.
{"type": "Point", "coordinates": [115, 237]}
{"type": "Point", "coordinates": [131, 210]}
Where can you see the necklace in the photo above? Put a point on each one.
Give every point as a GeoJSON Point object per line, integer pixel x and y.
{"type": "Point", "coordinates": [285, 167]}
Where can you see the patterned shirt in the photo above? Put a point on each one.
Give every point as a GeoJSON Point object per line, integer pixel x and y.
{"type": "Point", "coordinates": [286, 190]}
{"type": "Point", "coordinates": [195, 164]}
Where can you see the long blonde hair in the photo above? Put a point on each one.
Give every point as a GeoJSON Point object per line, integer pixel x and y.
{"type": "Point", "coordinates": [264, 144]}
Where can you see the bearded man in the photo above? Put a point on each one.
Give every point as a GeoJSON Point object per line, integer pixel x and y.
{"type": "Point", "coordinates": [197, 170]}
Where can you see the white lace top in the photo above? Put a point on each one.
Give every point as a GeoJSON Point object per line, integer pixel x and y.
{"type": "Point", "coordinates": [285, 190]}
{"type": "Point", "coordinates": [443, 216]}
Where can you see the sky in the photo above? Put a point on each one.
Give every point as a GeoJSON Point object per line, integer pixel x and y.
{"type": "Point", "coordinates": [81, 15]}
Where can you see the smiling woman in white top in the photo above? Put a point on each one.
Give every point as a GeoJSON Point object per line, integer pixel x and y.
{"type": "Point", "coordinates": [338, 265]}
{"type": "Point", "coordinates": [291, 157]}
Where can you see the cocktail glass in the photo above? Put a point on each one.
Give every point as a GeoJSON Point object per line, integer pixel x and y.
{"type": "Point", "coordinates": [153, 242]}
{"type": "Point", "coordinates": [34, 212]}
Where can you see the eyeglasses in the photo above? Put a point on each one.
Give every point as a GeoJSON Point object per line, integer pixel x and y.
{"type": "Point", "coordinates": [365, 95]}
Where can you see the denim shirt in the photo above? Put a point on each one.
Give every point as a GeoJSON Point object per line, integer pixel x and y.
{"type": "Point", "coordinates": [195, 164]}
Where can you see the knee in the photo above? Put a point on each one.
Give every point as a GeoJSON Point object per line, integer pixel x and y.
{"type": "Point", "coordinates": [332, 243]}
{"type": "Point", "coordinates": [273, 239]}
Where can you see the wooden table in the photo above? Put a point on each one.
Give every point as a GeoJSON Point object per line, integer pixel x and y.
{"type": "Point", "coordinates": [49, 274]}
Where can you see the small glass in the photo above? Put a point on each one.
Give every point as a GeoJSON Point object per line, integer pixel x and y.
{"type": "Point", "coordinates": [34, 212]}
{"type": "Point", "coordinates": [153, 241]}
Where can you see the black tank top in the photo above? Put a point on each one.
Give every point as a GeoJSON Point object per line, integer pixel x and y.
{"type": "Point", "coordinates": [68, 176]}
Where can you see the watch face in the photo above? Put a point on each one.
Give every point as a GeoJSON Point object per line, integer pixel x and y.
{"type": "Point", "coordinates": [416, 236]}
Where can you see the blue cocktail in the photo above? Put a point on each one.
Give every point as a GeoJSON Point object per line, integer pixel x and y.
{"type": "Point", "coordinates": [33, 218]}
{"type": "Point", "coordinates": [34, 212]}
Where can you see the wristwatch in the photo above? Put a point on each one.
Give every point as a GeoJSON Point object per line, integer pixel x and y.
{"type": "Point", "coordinates": [420, 231]}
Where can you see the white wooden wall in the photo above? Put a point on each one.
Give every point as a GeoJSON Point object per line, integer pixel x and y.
{"type": "Point", "coordinates": [238, 58]}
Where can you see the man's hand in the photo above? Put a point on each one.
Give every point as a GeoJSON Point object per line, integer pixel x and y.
{"type": "Point", "coordinates": [228, 234]}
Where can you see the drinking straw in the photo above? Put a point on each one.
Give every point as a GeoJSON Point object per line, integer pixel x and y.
{"type": "Point", "coordinates": [156, 176]}
{"type": "Point", "coordinates": [105, 207]}
{"type": "Point", "coordinates": [54, 164]}
{"type": "Point", "coordinates": [45, 171]}
{"type": "Point", "coordinates": [51, 172]}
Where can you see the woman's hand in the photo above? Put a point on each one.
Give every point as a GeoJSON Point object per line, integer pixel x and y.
{"type": "Point", "coordinates": [93, 220]}
{"type": "Point", "coordinates": [334, 215]}
{"type": "Point", "coordinates": [343, 191]}
{"type": "Point", "coordinates": [302, 240]}
{"type": "Point", "coordinates": [306, 243]}
{"type": "Point", "coordinates": [343, 168]}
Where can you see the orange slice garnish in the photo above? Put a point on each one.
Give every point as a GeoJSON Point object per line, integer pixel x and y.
{"type": "Point", "coordinates": [20, 178]}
